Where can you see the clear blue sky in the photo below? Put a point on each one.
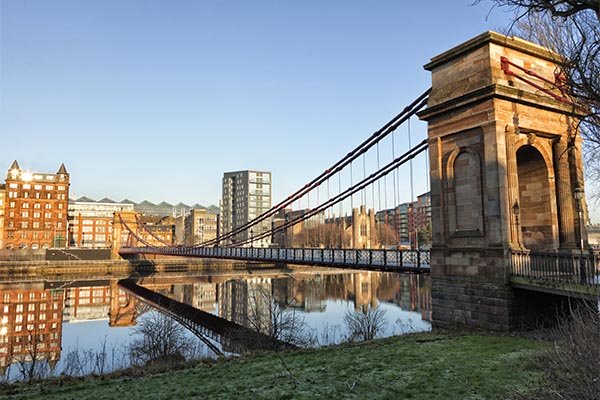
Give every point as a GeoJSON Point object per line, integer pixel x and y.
{"type": "Point", "coordinates": [156, 99]}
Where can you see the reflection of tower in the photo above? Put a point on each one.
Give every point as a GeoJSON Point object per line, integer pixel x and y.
{"type": "Point", "coordinates": [122, 307]}
{"type": "Point", "coordinates": [31, 325]}
{"type": "Point", "coordinates": [365, 288]}
{"type": "Point", "coordinates": [233, 301]}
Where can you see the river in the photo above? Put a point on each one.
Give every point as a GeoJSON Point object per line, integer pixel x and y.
{"type": "Point", "coordinates": [65, 323]}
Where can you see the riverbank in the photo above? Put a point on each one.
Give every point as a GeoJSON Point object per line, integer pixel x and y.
{"type": "Point", "coordinates": [419, 366]}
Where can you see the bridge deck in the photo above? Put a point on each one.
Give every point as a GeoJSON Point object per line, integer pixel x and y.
{"type": "Point", "coordinates": [368, 259]}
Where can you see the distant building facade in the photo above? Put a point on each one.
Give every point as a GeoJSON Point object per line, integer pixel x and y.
{"type": "Point", "coordinates": [245, 196]}
{"type": "Point", "coordinates": [411, 221]}
{"type": "Point", "coordinates": [200, 225]}
{"type": "Point", "coordinates": [91, 222]}
{"type": "Point", "coordinates": [2, 198]}
{"type": "Point", "coordinates": [35, 208]}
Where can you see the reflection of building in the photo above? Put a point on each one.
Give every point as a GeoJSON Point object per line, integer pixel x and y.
{"type": "Point", "coordinates": [31, 325]}
{"type": "Point", "coordinates": [200, 226]}
{"type": "Point", "coordinates": [307, 294]}
{"type": "Point", "coordinates": [90, 222]}
{"type": "Point", "coordinates": [202, 296]}
{"type": "Point", "coordinates": [35, 208]}
{"type": "Point", "coordinates": [246, 302]}
{"type": "Point", "coordinates": [246, 195]}
{"type": "Point", "coordinates": [233, 301]}
{"type": "Point", "coordinates": [123, 310]}
{"type": "Point", "coordinates": [87, 303]}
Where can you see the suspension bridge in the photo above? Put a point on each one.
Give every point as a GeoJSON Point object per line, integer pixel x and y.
{"type": "Point", "coordinates": [501, 158]}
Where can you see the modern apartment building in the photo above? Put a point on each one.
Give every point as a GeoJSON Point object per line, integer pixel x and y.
{"type": "Point", "coordinates": [200, 225]}
{"type": "Point", "coordinates": [91, 222]}
{"type": "Point", "coordinates": [35, 208]}
{"type": "Point", "coordinates": [246, 195]}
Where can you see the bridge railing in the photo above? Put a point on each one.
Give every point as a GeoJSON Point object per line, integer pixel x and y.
{"type": "Point", "coordinates": [576, 268]}
{"type": "Point", "coordinates": [362, 258]}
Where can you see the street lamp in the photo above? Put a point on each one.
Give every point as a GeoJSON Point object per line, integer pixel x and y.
{"type": "Point", "coordinates": [251, 238]}
{"type": "Point", "coordinates": [516, 212]}
{"type": "Point", "coordinates": [579, 194]}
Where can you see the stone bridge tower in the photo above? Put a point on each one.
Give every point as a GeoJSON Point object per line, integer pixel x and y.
{"type": "Point", "coordinates": [505, 163]}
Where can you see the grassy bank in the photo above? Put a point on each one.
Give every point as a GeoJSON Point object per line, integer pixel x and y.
{"type": "Point", "coordinates": [423, 366]}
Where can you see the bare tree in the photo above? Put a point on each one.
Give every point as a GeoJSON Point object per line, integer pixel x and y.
{"type": "Point", "coordinates": [160, 339]}
{"type": "Point", "coordinates": [365, 324]}
{"type": "Point", "coordinates": [32, 360]}
{"type": "Point", "coordinates": [269, 317]}
{"type": "Point", "coordinates": [571, 365]}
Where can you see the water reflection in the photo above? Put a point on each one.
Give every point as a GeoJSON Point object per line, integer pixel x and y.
{"type": "Point", "coordinates": [34, 314]}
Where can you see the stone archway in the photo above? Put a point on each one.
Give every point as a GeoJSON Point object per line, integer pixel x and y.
{"type": "Point", "coordinates": [536, 219]}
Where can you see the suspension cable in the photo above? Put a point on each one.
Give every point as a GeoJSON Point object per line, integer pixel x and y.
{"type": "Point", "coordinates": [389, 127]}
{"type": "Point", "coordinates": [140, 222]}
{"type": "Point", "coordinates": [391, 166]}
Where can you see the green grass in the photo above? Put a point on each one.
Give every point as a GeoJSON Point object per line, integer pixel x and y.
{"type": "Point", "coordinates": [423, 366]}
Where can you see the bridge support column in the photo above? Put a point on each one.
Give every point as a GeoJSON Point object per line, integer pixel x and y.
{"type": "Point", "coordinates": [491, 150]}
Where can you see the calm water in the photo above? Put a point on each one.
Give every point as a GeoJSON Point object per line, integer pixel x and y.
{"type": "Point", "coordinates": [64, 322]}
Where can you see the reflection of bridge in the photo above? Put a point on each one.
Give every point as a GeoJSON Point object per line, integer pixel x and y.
{"type": "Point", "coordinates": [507, 192]}
{"type": "Point", "coordinates": [203, 324]}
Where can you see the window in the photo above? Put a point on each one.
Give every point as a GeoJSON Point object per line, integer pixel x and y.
{"type": "Point", "coordinates": [12, 204]}
{"type": "Point", "coordinates": [48, 195]}
{"type": "Point", "coordinates": [36, 214]}
{"type": "Point", "coordinates": [31, 307]}
{"type": "Point", "coordinates": [38, 187]}
{"type": "Point", "coordinates": [43, 305]}
{"type": "Point", "coordinates": [26, 186]}
{"type": "Point", "coordinates": [19, 318]}
{"type": "Point", "coordinates": [24, 224]}
{"type": "Point", "coordinates": [49, 187]}
{"type": "Point", "coordinates": [61, 187]}
{"type": "Point", "coordinates": [48, 215]}
{"type": "Point", "coordinates": [20, 307]}
{"type": "Point", "coordinates": [37, 205]}
{"type": "Point", "coordinates": [25, 205]}
{"type": "Point", "coordinates": [13, 186]}
{"type": "Point", "coordinates": [6, 297]}
{"type": "Point", "coordinates": [26, 195]}
{"type": "Point", "coordinates": [48, 206]}
{"type": "Point", "coordinates": [25, 214]}
{"type": "Point", "coordinates": [32, 296]}
{"type": "Point", "coordinates": [12, 195]}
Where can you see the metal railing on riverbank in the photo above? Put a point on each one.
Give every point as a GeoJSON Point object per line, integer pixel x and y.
{"type": "Point", "coordinates": [568, 268]}
{"type": "Point", "coordinates": [384, 260]}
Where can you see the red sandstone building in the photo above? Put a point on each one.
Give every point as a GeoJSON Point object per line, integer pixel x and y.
{"type": "Point", "coordinates": [35, 208]}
